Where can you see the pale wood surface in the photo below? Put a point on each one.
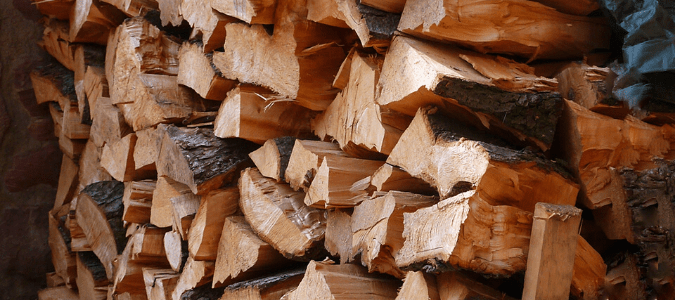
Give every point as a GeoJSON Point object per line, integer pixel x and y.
{"type": "Point", "coordinates": [207, 225]}
{"type": "Point", "coordinates": [272, 158]}
{"type": "Point", "coordinates": [306, 158]}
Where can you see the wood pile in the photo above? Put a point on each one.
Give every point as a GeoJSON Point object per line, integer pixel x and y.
{"type": "Point", "coordinates": [342, 149]}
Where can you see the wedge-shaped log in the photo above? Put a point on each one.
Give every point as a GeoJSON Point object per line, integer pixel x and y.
{"type": "Point", "coordinates": [59, 9]}
{"type": "Point", "coordinates": [71, 125]}
{"type": "Point", "coordinates": [86, 56]}
{"type": "Point", "coordinates": [92, 20]}
{"type": "Point", "coordinates": [392, 178]}
{"type": "Point", "coordinates": [377, 227]}
{"type": "Point", "coordinates": [589, 271]}
{"type": "Point", "coordinates": [161, 212]}
{"type": "Point", "coordinates": [99, 213]}
{"type": "Point", "coordinates": [307, 56]}
{"type": "Point", "coordinates": [159, 283]}
{"type": "Point", "coordinates": [515, 27]}
{"type": "Point", "coordinates": [147, 148]}
{"type": "Point", "coordinates": [454, 285]}
{"type": "Point", "coordinates": [63, 258]}
{"type": "Point", "coordinates": [195, 273]}
{"type": "Point", "coordinates": [67, 182]}
{"type": "Point", "coordinates": [53, 82]}
{"type": "Point", "coordinates": [361, 126]}
{"type": "Point", "coordinates": [108, 124]}
{"type": "Point", "coordinates": [196, 71]}
{"type": "Point", "coordinates": [280, 217]}
{"type": "Point", "coordinates": [134, 8]}
{"type": "Point", "coordinates": [249, 11]}
{"type": "Point", "coordinates": [176, 250]}
{"type": "Point", "coordinates": [245, 114]}
{"type": "Point", "coordinates": [200, 160]}
{"type": "Point", "coordinates": [338, 241]}
{"type": "Point", "coordinates": [92, 283]}
{"type": "Point", "coordinates": [488, 92]}
{"type": "Point", "coordinates": [306, 158]}
{"type": "Point", "coordinates": [265, 288]}
{"type": "Point", "coordinates": [272, 158]}
{"type": "Point", "coordinates": [55, 41]}
{"type": "Point", "coordinates": [589, 87]}
{"type": "Point", "coordinates": [207, 225]}
{"type": "Point", "coordinates": [324, 281]}
{"type": "Point", "coordinates": [466, 232]}
{"type": "Point", "coordinates": [459, 159]}
{"type": "Point", "coordinates": [206, 22]}
{"type": "Point", "coordinates": [90, 167]}
{"type": "Point", "coordinates": [245, 259]}
{"type": "Point", "coordinates": [118, 159]}
{"type": "Point", "coordinates": [78, 240]}
{"type": "Point", "coordinates": [418, 285]}
{"type": "Point", "coordinates": [145, 249]}
{"type": "Point", "coordinates": [138, 201]}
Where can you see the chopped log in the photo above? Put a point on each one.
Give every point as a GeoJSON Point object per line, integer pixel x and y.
{"type": "Point", "coordinates": [623, 279]}
{"type": "Point", "coordinates": [67, 181]}
{"type": "Point", "coordinates": [204, 292]}
{"type": "Point", "coordinates": [553, 244]}
{"type": "Point", "coordinates": [59, 9]}
{"type": "Point", "coordinates": [134, 8]}
{"type": "Point", "coordinates": [145, 249]}
{"type": "Point", "coordinates": [338, 240]}
{"type": "Point", "coordinates": [195, 157]}
{"type": "Point", "coordinates": [280, 217]}
{"type": "Point", "coordinates": [162, 211]}
{"type": "Point", "coordinates": [207, 225]}
{"type": "Point", "coordinates": [325, 281]}
{"type": "Point", "coordinates": [453, 285]}
{"type": "Point", "coordinates": [78, 240]}
{"type": "Point", "coordinates": [55, 42]}
{"type": "Point", "coordinates": [589, 271]}
{"type": "Point", "coordinates": [247, 258]}
{"type": "Point", "coordinates": [389, 177]}
{"type": "Point", "coordinates": [245, 114]}
{"type": "Point", "coordinates": [418, 285]}
{"type": "Point", "coordinates": [306, 158]}
{"type": "Point", "coordinates": [250, 11]}
{"type": "Point", "coordinates": [53, 82]}
{"type": "Point", "coordinates": [58, 293]}
{"type": "Point", "coordinates": [108, 124]}
{"type": "Point", "coordinates": [71, 148]}
{"type": "Point", "coordinates": [159, 283]}
{"type": "Point", "coordinates": [176, 250]}
{"type": "Point", "coordinates": [90, 167]}
{"type": "Point", "coordinates": [148, 146]}
{"type": "Point", "coordinates": [466, 232]}
{"type": "Point", "coordinates": [342, 77]}
{"type": "Point", "coordinates": [138, 201]}
{"type": "Point", "coordinates": [72, 126]}
{"type": "Point", "coordinates": [450, 147]}
{"type": "Point", "coordinates": [531, 30]}
{"type": "Point", "coordinates": [63, 258]}
{"type": "Point", "coordinates": [266, 288]}
{"type": "Point", "coordinates": [86, 56]}
{"type": "Point", "coordinates": [580, 7]}
{"type": "Point", "coordinates": [118, 159]}
{"type": "Point", "coordinates": [361, 127]}
{"type": "Point", "coordinates": [307, 56]}
{"type": "Point", "coordinates": [588, 86]}
{"type": "Point", "coordinates": [196, 71]}
{"type": "Point", "coordinates": [169, 12]}
{"type": "Point", "coordinates": [393, 6]}
{"type": "Point", "coordinates": [377, 227]}
{"type": "Point", "coordinates": [272, 158]}
{"type": "Point", "coordinates": [92, 283]}
{"type": "Point", "coordinates": [206, 22]}
{"type": "Point", "coordinates": [514, 103]}
{"type": "Point", "coordinates": [92, 20]}
{"type": "Point", "coordinates": [54, 280]}
{"type": "Point", "coordinates": [184, 208]}
{"type": "Point", "coordinates": [99, 213]}
{"type": "Point", "coordinates": [195, 273]}
{"type": "Point", "coordinates": [95, 85]}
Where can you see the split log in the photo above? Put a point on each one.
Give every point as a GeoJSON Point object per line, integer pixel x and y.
{"type": "Point", "coordinates": [63, 258]}
{"type": "Point", "coordinates": [325, 281]}
{"type": "Point", "coordinates": [393, 6]}
{"type": "Point", "coordinates": [206, 22]}
{"type": "Point", "coordinates": [272, 158]}
{"type": "Point", "coordinates": [418, 285]}
{"type": "Point", "coordinates": [99, 213]}
{"type": "Point", "coordinates": [377, 227]}
{"type": "Point", "coordinates": [54, 280]}
{"type": "Point", "coordinates": [589, 271]}
{"type": "Point", "coordinates": [90, 167]}
{"type": "Point", "coordinates": [92, 20]}
{"type": "Point", "coordinates": [92, 283]}
{"type": "Point", "coordinates": [272, 287]}
{"type": "Point", "coordinates": [145, 249]}
{"type": "Point", "coordinates": [108, 124]}
{"type": "Point", "coordinates": [307, 56]}
{"type": "Point", "coordinates": [196, 71]}
{"type": "Point", "coordinates": [176, 250]}
{"type": "Point", "coordinates": [166, 190]}
{"type": "Point", "coordinates": [86, 56]}
{"type": "Point", "coordinates": [280, 217]}
{"type": "Point", "coordinates": [204, 292]}
{"type": "Point", "coordinates": [588, 86]}
{"type": "Point", "coordinates": [148, 146]}
{"type": "Point", "coordinates": [466, 232]}
{"type": "Point", "coordinates": [514, 103]}
{"type": "Point", "coordinates": [361, 127]}
{"type": "Point", "coordinates": [437, 150]}
{"type": "Point", "coordinates": [623, 280]}
{"type": "Point", "coordinates": [250, 11]}
{"type": "Point", "coordinates": [67, 182]}
{"type": "Point", "coordinates": [78, 240]}
{"type": "Point", "coordinates": [159, 283]}
{"type": "Point", "coordinates": [342, 77]}
{"type": "Point", "coordinates": [95, 85]}
{"type": "Point", "coordinates": [195, 273]}
{"type": "Point", "coordinates": [553, 243]}
{"type": "Point", "coordinates": [58, 293]}
{"type": "Point", "coordinates": [138, 201]}
{"type": "Point", "coordinates": [195, 157]}
{"type": "Point", "coordinates": [531, 30]}
{"type": "Point", "coordinates": [134, 8]}
{"type": "Point", "coordinates": [207, 225]}
{"type": "Point", "coordinates": [306, 158]}
{"type": "Point", "coordinates": [247, 258]}
{"type": "Point", "coordinates": [169, 12]}
{"type": "Point", "coordinates": [71, 148]}
{"type": "Point", "coordinates": [389, 177]}
{"type": "Point", "coordinates": [453, 285]}
{"type": "Point", "coordinates": [118, 159]}
{"type": "Point", "coordinates": [53, 82]}
{"type": "Point", "coordinates": [338, 240]}
{"type": "Point", "coordinates": [71, 125]}
{"type": "Point", "coordinates": [59, 9]}
{"type": "Point", "coordinates": [246, 114]}
{"type": "Point", "coordinates": [55, 41]}
{"type": "Point", "coordinates": [184, 210]}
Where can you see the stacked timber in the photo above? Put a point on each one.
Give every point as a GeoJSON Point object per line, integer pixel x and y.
{"type": "Point", "coordinates": [343, 149]}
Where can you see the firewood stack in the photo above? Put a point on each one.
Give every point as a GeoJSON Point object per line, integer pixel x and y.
{"type": "Point", "coordinates": [341, 149]}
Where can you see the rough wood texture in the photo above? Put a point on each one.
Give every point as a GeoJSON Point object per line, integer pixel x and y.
{"type": "Point", "coordinates": [389, 177]}
{"type": "Point", "coordinates": [169, 11]}
{"type": "Point", "coordinates": [454, 158]}
{"type": "Point", "coordinates": [197, 71]}
{"type": "Point", "coordinates": [95, 85]}
{"type": "Point", "coordinates": [67, 182]}
{"type": "Point", "coordinates": [92, 283]}
{"type": "Point", "coordinates": [159, 283]}
{"type": "Point", "coordinates": [466, 232]}
{"type": "Point", "coordinates": [531, 30]}
{"type": "Point", "coordinates": [176, 250]}
{"type": "Point", "coordinates": [623, 279]}
{"type": "Point", "coordinates": [589, 271]}
{"type": "Point", "coordinates": [134, 8]}
{"type": "Point", "coordinates": [92, 20]}
{"type": "Point", "coordinates": [246, 114]}
{"type": "Point", "coordinates": [418, 285]}
{"type": "Point", "coordinates": [145, 249]}
{"type": "Point", "coordinates": [55, 42]}
{"type": "Point", "coordinates": [306, 158]}
{"type": "Point", "coordinates": [377, 227]}
{"type": "Point", "coordinates": [454, 285]}
{"type": "Point", "coordinates": [198, 159]}
{"type": "Point", "coordinates": [147, 148]}
{"type": "Point", "coordinates": [90, 167]}
{"type": "Point", "coordinates": [162, 211]}
{"type": "Point", "coordinates": [118, 159]}
{"type": "Point", "coordinates": [354, 120]}
{"type": "Point", "coordinates": [553, 245]}
{"type": "Point", "coordinates": [207, 225]}
{"type": "Point", "coordinates": [194, 274]}
{"type": "Point", "coordinates": [63, 258]}
{"type": "Point", "coordinates": [272, 287]}
{"type": "Point", "coordinates": [138, 201]}
{"type": "Point", "coordinates": [59, 9]}
{"type": "Point", "coordinates": [206, 22]}
{"type": "Point", "coordinates": [338, 240]}
{"type": "Point", "coordinates": [588, 86]}
{"type": "Point", "coordinates": [86, 56]}
{"type": "Point", "coordinates": [324, 281]}
{"type": "Point", "coordinates": [108, 124]}
{"type": "Point", "coordinates": [272, 158]}
{"type": "Point", "coordinates": [249, 11]}
{"type": "Point", "coordinates": [486, 91]}
{"type": "Point", "coordinates": [280, 217]}
{"type": "Point", "coordinates": [53, 82]}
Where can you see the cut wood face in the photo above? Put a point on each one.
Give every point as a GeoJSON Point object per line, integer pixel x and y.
{"type": "Point", "coordinates": [272, 158]}
{"type": "Point", "coordinates": [207, 225]}
{"type": "Point", "coordinates": [589, 271]}
{"type": "Point", "coordinates": [249, 11]}
{"type": "Point", "coordinates": [418, 285]}
{"type": "Point", "coordinates": [196, 71]}
{"type": "Point", "coordinates": [271, 287]}
{"type": "Point", "coordinates": [305, 160]}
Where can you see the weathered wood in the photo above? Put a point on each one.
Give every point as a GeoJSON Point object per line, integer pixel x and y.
{"type": "Point", "coordinates": [159, 283]}
{"type": "Point", "coordinates": [325, 281]}
{"type": "Point", "coordinates": [306, 158]}
{"type": "Point", "coordinates": [92, 20]}
{"type": "Point", "coordinates": [456, 232]}
{"type": "Point", "coordinates": [58, 293]}
{"type": "Point", "coordinates": [531, 30]}
{"type": "Point", "coordinates": [454, 285]}
{"type": "Point", "coordinates": [588, 86]}
{"type": "Point", "coordinates": [92, 283]}
{"type": "Point", "coordinates": [108, 124]}
{"type": "Point", "coordinates": [338, 240]}
{"type": "Point", "coordinates": [272, 158]}
{"type": "Point", "coordinates": [195, 157]}
{"type": "Point", "coordinates": [454, 158]}
{"type": "Point", "coordinates": [280, 217]}
{"type": "Point", "coordinates": [389, 177]}
{"type": "Point", "coordinates": [138, 201]}
{"type": "Point", "coordinates": [63, 258]}
{"type": "Point", "coordinates": [589, 271]}
{"type": "Point", "coordinates": [553, 243]}
{"type": "Point", "coordinates": [623, 279]}
{"type": "Point", "coordinates": [377, 227]}
{"type": "Point", "coordinates": [246, 114]}
{"type": "Point", "coordinates": [418, 285]}
{"type": "Point", "coordinates": [197, 71]}
{"type": "Point", "coordinates": [67, 182]}
{"type": "Point", "coordinates": [514, 103]}
{"type": "Point", "coordinates": [195, 273]}
{"type": "Point", "coordinates": [272, 287]}
{"type": "Point", "coordinates": [206, 22]}
{"type": "Point", "coordinates": [249, 11]}
{"type": "Point", "coordinates": [207, 225]}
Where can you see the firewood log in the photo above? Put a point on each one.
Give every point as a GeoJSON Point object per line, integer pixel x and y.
{"type": "Point", "coordinates": [58, 293]}
{"type": "Point", "coordinates": [169, 11]}
{"type": "Point", "coordinates": [589, 271]}
{"type": "Point", "coordinates": [54, 280]}
{"type": "Point", "coordinates": [418, 285]}
{"type": "Point", "coordinates": [249, 11]}
{"type": "Point", "coordinates": [53, 82]}
{"type": "Point", "coordinates": [90, 167]}
{"type": "Point", "coordinates": [95, 85]}
{"type": "Point", "coordinates": [118, 159]}
{"type": "Point", "coordinates": [204, 233]}
{"type": "Point", "coordinates": [588, 86]}
{"type": "Point", "coordinates": [623, 280]}
{"type": "Point", "coordinates": [59, 9]}
{"type": "Point", "coordinates": [92, 283]}
{"type": "Point", "coordinates": [138, 201]}
{"type": "Point", "coordinates": [145, 249]}
{"type": "Point", "coordinates": [453, 285]}
{"type": "Point", "coordinates": [196, 71]}
{"type": "Point", "coordinates": [195, 273]}
{"type": "Point", "coordinates": [55, 41]}
{"type": "Point", "coordinates": [134, 8]}
{"type": "Point", "coordinates": [280, 217]}
{"type": "Point", "coordinates": [389, 177]}
{"type": "Point", "coordinates": [338, 240]}
{"type": "Point", "coordinates": [162, 211]}
{"type": "Point", "coordinates": [63, 258]}
{"type": "Point", "coordinates": [92, 20]}
{"type": "Point", "coordinates": [147, 148]}
{"type": "Point", "coordinates": [176, 250]}
{"type": "Point", "coordinates": [108, 124]}
{"type": "Point", "coordinates": [86, 56]}
{"type": "Point", "coordinates": [78, 240]}
{"type": "Point", "coordinates": [306, 158]}
{"type": "Point", "coordinates": [271, 287]}
{"type": "Point", "coordinates": [71, 125]}
{"type": "Point", "coordinates": [67, 182]}
{"type": "Point", "coordinates": [272, 158]}
{"type": "Point", "coordinates": [159, 283]}
{"type": "Point", "coordinates": [206, 22]}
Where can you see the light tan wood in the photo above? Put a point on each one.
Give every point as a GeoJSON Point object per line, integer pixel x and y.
{"type": "Point", "coordinates": [589, 271]}
{"type": "Point", "coordinates": [280, 217]}
{"type": "Point", "coordinates": [62, 257]}
{"type": "Point", "coordinates": [162, 211]}
{"type": "Point", "coordinates": [159, 283]}
{"type": "Point", "coordinates": [466, 232]}
{"type": "Point", "coordinates": [389, 177]}
{"type": "Point", "coordinates": [71, 148]}
{"type": "Point", "coordinates": [78, 240]}
{"type": "Point", "coordinates": [145, 249]}
{"type": "Point", "coordinates": [326, 12]}
{"type": "Point", "coordinates": [206, 22]}
{"type": "Point", "coordinates": [67, 182]}
{"type": "Point", "coordinates": [195, 273]}
{"type": "Point", "coordinates": [196, 71]}
{"type": "Point", "coordinates": [306, 158]}
{"type": "Point", "coordinates": [272, 158]}
{"type": "Point", "coordinates": [71, 125]}
{"type": "Point", "coordinates": [91, 21]}
{"type": "Point", "coordinates": [272, 287]}
{"type": "Point", "coordinates": [55, 42]}
{"type": "Point", "coordinates": [108, 124]}
{"type": "Point", "coordinates": [169, 12]}
{"type": "Point", "coordinates": [90, 167]}
{"type": "Point", "coordinates": [134, 8]}
{"type": "Point", "coordinates": [138, 201]}
{"type": "Point", "coordinates": [248, 258]}
{"type": "Point", "coordinates": [176, 250]}
{"type": "Point", "coordinates": [588, 86]}
{"type": "Point", "coordinates": [453, 285]}
{"type": "Point", "coordinates": [418, 285]}
{"type": "Point", "coordinates": [52, 82]}
{"type": "Point", "coordinates": [59, 9]}
{"type": "Point", "coordinates": [325, 281]}
{"type": "Point", "coordinates": [86, 56]}
{"type": "Point", "coordinates": [338, 240]}
{"type": "Point", "coordinates": [117, 158]}
{"type": "Point", "coordinates": [57, 293]}
{"type": "Point", "coordinates": [531, 30]}
{"type": "Point", "coordinates": [377, 227]}
{"type": "Point", "coordinates": [250, 11]}
{"type": "Point", "coordinates": [92, 283]}
{"type": "Point", "coordinates": [207, 225]}
{"type": "Point", "coordinates": [246, 114]}
{"type": "Point", "coordinates": [342, 77]}
{"type": "Point", "coordinates": [354, 120]}
{"type": "Point", "coordinates": [184, 208]}
{"type": "Point", "coordinates": [95, 85]}
{"type": "Point", "coordinates": [416, 73]}
{"type": "Point", "coordinates": [553, 245]}
{"type": "Point", "coordinates": [147, 148]}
